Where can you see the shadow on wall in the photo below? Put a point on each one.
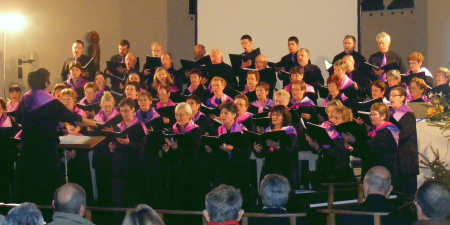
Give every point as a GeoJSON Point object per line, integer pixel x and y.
{"type": "Point", "coordinates": [373, 5]}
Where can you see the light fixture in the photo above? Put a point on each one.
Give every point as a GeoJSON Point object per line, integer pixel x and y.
{"type": "Point", "coordinates": [9, 23]}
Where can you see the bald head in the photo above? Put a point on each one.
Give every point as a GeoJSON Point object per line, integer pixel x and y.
{"type": "Point", "coordinates": [130, 60]}
{"type": "Point", "coordinates": [70, 198]}
{"type": "Point", "coordinates": [157, 49]}
{"type": "Point", "coordinates": [199, 51]}
{"type": "Point", "coordinates": [377, 181]}
{"type": "Point", "coordinates": [260, 62]}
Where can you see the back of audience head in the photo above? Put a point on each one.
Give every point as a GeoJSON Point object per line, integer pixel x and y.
{"type": "Point", "coordinates": [70, 198]}
{"type": "Point", "coordinates": [274, 190]}
{"type": "Point", "coordinates": [26, 213]}
{"type": "Point", "coordinates": [223, 204]}
{"type": "Point", "coordinates": [433, 200]}
{"type": "Point", "coordinates": [377, 181]}
{"type": "Point", "coordinates": [142, 215]}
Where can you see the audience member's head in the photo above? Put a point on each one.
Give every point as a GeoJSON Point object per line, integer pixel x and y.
{"type": "Point", "coordinates": [142, 215]}
{"type": "Point", "coordinates": [26, 213]}
{"type": "Point", "coordinates": [377, 181]}
{"type": "Point", "coordinates": [274, 190]}
{"type": "Point", "coordinates": [70, 198]}
{"type": "Point", "coordinates": [433, 201]}
{"type": "Point", "coordinates": [223, 204]}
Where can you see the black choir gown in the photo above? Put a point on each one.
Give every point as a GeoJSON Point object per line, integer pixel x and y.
{"type": "Point", "coordinates": [39, 171]}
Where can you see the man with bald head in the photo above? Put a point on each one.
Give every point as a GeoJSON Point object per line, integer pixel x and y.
{"type": "Point", "coordinates": [199, 51]}
{"type": "Point", "coordinates": [157, 49]}
{"type": "Point", "coordinates": [117, 79]}
{"type": "Point", "coordinates": [266, 74]}
{"type": "Point", "coordinates": [70, 204]}
{"type": "Point", "coordinates": [377, 188]}
{"type": "Point", "coordinates": [220, 69]}
{"type": "Point", "coordinates": [313, 74]}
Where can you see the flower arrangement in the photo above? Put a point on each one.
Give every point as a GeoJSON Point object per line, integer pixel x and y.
{"type": "Point", "coordinates": [438, 103]}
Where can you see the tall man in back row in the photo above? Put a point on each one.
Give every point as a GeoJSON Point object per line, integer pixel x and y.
{"type": "Point", "coordinates": [77, 51]}
{"type": "Point", "coordinates": [349, 49]}
{"type": "Point", "coordinates": [288, 61]}
{"type": "Point", "coordinates": [250, 54]}
{"type": "Point", "coordinates": [313, 74]}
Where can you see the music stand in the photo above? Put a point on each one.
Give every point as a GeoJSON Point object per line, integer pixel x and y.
{"type": "Point", "coordinates": [85, 144]}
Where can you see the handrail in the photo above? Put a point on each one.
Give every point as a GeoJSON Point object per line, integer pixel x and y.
{"type": "Point", "coordinates": [332, 212]}
{"type": "Point", "coordinates": [161, 212]}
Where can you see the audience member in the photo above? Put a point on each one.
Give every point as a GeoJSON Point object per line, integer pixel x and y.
{"type": "Point", "coordinates": [433, 203]}
{"type": "Point", "coordinates": [142, 215]}
{"type": "Point", "coordinates": [26, 213]}
{"type": "Point", "coordinates": [70, 205]}
{"type": "Point", "coordinates": [223, 206]}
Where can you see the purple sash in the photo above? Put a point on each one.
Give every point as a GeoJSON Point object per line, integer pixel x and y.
{"type": "Point", "coordinates": [103, 118]}
{"type": "Point", "coordinates": [80, 83]}
{"type": "Point", "coordinates": [346, 82]}
{"type": "Point", "coordinates": [189, 126]}
{"type": "Point", "coordinates": [237, 127]}
{"type": "Point", "coordinates": [287, 129]}
{"type": "Point", "coordinates": [309, 89]}
{"type": "Point", "coordinates": [330, 130]}
{"type": "Point", "coordinates": [79, 112]}
{"type": "Point", "coordinates": [288, 88]}
{"type": "Point", "coordinates": [5, 121]}
{"type": "Point", "coordinates": [198, 116]}
{"type": "Point", "coordinates": [151, 114]}
{"type": "Point", "coordinates": [223, 99]}
{"type": "Point", "coordinates": [12, 108]}
{"type": "Point", "coordinates": [122, 126]}
{"type": "Point", "coordinates": [243, 117]}
{"type": "Point", "coordinates": [388, 125]}
{"type": "Point", "coordinates": [169, 103]}
{"type": "Point", "coordinates": [267, 103]}
{"type": "Point", "coordinates": [400, 112]}
{"type": "Point", "coordinates": [34, 99]}
{"type": "Point", "coordinates": [304, 102]}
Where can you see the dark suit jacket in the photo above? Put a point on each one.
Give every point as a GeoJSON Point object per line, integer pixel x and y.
{"type": "Point", "coordinates": [373, 203]}
{"type": "Point", "coordinates": [84, 59]}
{"type": "Point", "coordinates": [377, 58]}
{"type": "Point", "coordinates": [288, 64]}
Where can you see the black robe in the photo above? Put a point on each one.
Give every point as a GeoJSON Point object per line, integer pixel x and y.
{"type": "Point", "coordinates": [287, 62]}
{"type": "Point", "coordinates": [381, 150]}
{"type": "Point", "coordinates": [359, 60]}
{"type": "Point", "coordinates": [39, 167]}
{"type": "Point", "coordinates": [181, 171]}
{"type": "Point", "coordinates": [408, 155]}
{"type": "Point", "coordinates": [221, 70]}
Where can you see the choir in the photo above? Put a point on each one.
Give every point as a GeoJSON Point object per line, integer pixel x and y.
{"type": "Point", "coordinates": [176, 134]}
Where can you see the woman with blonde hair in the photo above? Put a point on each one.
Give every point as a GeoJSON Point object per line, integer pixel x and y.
{"type": "Point", "coordinates": [163, 78]}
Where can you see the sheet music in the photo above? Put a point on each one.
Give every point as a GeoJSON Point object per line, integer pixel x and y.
{"type": "Point", "coordinates": [72, 139]}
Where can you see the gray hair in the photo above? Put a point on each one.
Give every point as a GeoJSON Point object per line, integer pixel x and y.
{"type": "Point", "coordinates": [379, 179]}
{"type": "Point", "coordinates": [383, 36]}
{"type": "Point", "coordinates": [183, 105]}
{"type": "Point", "coordinates": [433, 197]}
{"type": "Point", "coordinates": [218, 50]}
{"type": "Point", "coordinates": [142, 215]}
{"type": "Point", "coordinates": [274, 190]}
{"type": "Point", "coordinates": [156, 43]}
{"type": "Point", "coordinates": [395, 74]}
{"type": "Point", "coordinates": [282, 93]}
{"type": "Point", "coordinates": [26, 213]}
{"type": "Point", "coordinates": [223, 203]}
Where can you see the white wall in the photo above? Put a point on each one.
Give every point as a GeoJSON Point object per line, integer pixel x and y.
{"type": "Point", "coordinates": [438, 34]}
{"type": "Point", "coordinates": [408, 31]}
{"type": "Point", "coordinates": [320, 26]}
{"type": "Point", "coordinates": [52, 26]}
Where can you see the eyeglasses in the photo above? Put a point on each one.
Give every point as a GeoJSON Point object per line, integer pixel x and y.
{"type": "Point", "coordinates": [276, 115]}
{"type": "Point", "coordinates": [180, 114]}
